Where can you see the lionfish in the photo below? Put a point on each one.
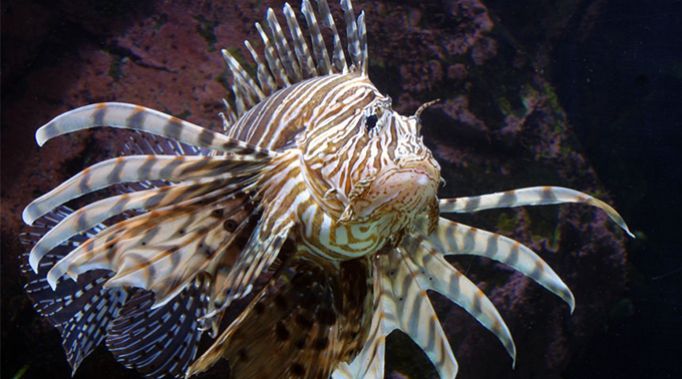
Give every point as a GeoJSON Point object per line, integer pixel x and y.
{"type": "Point", "coordinates": [316, 211]}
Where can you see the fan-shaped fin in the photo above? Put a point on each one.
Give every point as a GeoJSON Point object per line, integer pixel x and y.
{"type": "Point", "coordinates": [99, 211]}
{"type": "Point", "coordinates": [369, 363]}
{"type": "Point", "coordinates": [435, 273]}
{"type": "Point", "coordinates": [141, 168]}
{"type": "Point", "coordinates": [163, 341]}
{"type": "Point", "coordinates": [81, 310]}
{"type": "Point", "coordinates": [130, 116]}
{"type": "Point", "coordinates": [310, 312]}
{"type": "Point", "coordinates": [417, 317]}
{"type": "Point", "coordinates": [528, 196]}
{"type": "Point", "coordinates": [160, 251]}
{"type": "Point", "coordinates": [401, 302]}
{"type": "Point", "coordinates": [258, 254]}
{"type": "Point", "coordinates": [454, 238]}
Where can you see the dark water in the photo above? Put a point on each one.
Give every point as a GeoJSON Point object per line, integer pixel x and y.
{"type": "Point", "coordinates": [622, 89]}
{"type": "Point", "coordinates": [616, 67]}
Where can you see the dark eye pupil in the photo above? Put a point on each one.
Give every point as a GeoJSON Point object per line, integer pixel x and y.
{"type": "Point", "coordinates": [371, 121]}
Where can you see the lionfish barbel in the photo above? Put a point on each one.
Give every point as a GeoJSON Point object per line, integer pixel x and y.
{"type": "Point", "coordinates": [316, 211]}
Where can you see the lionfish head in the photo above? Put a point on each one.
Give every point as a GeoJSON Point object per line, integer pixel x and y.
{"type": "Point", "coordinates": [377, 166]}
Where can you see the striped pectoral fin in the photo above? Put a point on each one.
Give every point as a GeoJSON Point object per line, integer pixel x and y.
{"type": "Point", "coordinates": [93, 214]}
{"type": "Point", "coordinates": [81, 310]}
{"type": "Point", "coordinates": [130, 116]}
{"type": "Point", "coordinates": [459, 239]}
{"type": "Point", "coordinates": [140, 168]}
{"type": "Point", "coordinates": [163, 341]}
{"type": "Point", "coordinates": [545, 195]}
{"type": "Point", "coordinates": [416, 316]}
{"type": "Point", "coordinates": [160, 251]}
{"type": "Point", "coordinates": [259, 253]}
{"type": "Point", "coordinates": [436, 274]}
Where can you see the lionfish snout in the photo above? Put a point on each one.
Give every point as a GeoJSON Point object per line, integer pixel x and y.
{"type": "Point", "coordinates": [405, 185]}
{"type": "Point", "coordinates": [406, 190]}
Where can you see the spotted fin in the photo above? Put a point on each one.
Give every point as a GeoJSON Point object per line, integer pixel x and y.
{"type": "Point", "coordinates": [310, 313]}
{"type": "Point", "coordinates": [459, 239]}
{"type": "Point", "coordinates": [160, 251]}
{"type": "Point", "coordinates": [92, 214]}
{"type": "Point", "coordinates": [369, 363]}
{"type": "Point", "coordinates": [528, 196]}
{"type": "Point", "coordinates": [162, 341]}
{"type": "Point", "coordinates": [81, 310]}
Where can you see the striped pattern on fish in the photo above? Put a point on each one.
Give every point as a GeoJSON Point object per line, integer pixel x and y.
{"type": "Point", "coordinates": [316, 211]}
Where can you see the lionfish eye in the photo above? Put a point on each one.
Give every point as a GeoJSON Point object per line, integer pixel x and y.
{"type": "Point", "coordinates": [371, 121]}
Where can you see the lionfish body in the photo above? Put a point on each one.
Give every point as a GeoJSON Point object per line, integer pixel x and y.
{"type": "Point", "coordinates": [316, 210]}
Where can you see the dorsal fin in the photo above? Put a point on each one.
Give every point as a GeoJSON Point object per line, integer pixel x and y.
{"type": "Point", "coordinates": [289, 60]}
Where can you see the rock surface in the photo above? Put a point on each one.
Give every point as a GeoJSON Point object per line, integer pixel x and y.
{"type": "Point", "coordinates": [499, 125]}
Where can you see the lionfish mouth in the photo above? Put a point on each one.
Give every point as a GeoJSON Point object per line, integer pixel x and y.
{"type": "Point", "coordinates": [405, 190]}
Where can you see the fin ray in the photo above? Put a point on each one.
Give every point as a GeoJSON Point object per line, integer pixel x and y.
{"type": "Point", "coordinates": [454, 238]}
{"type": "Point", "coordinates": [528, 196]}
{"type": "Point", "coordinates": [130, 116]}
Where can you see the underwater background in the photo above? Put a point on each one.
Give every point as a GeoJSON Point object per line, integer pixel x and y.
{"type": "Point", "coordinates": [583, 94]}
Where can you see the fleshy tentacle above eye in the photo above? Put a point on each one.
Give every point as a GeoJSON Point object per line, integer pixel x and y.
{"type": "Point", "coordinates": [545, 195]}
